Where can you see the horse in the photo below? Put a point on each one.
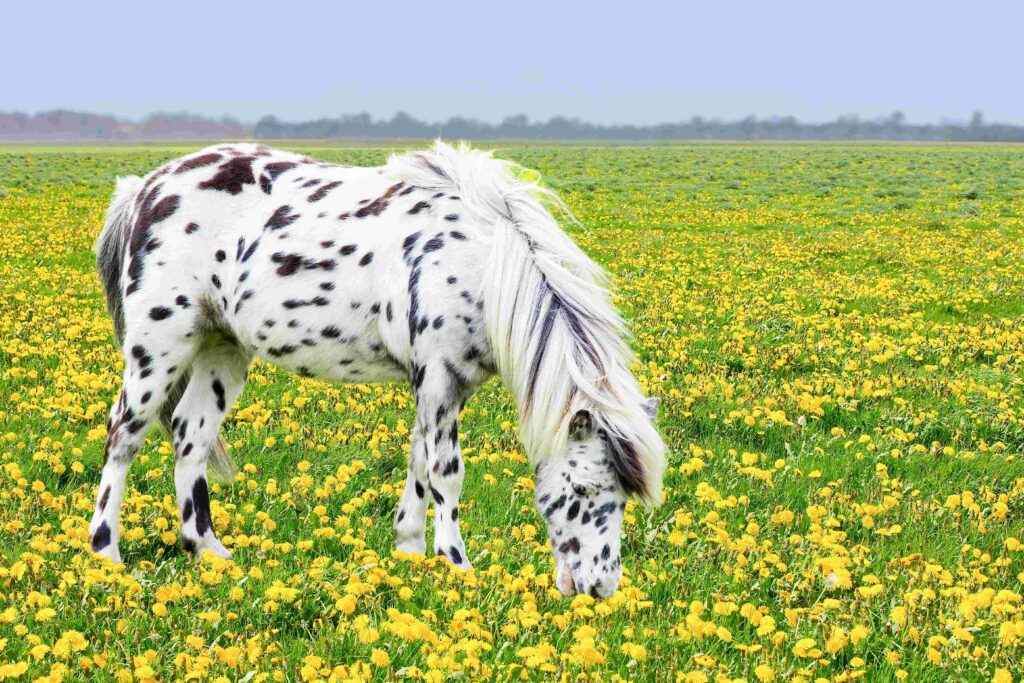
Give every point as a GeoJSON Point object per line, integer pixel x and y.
{"type": "Point", "coordinates": [442, 268]}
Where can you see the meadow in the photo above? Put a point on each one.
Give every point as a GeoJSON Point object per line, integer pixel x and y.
{"type": "Point", "coordinates": [836, 334]}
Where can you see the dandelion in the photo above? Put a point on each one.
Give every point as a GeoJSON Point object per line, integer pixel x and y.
{"type": "Point", "coordinates": [818, 350]}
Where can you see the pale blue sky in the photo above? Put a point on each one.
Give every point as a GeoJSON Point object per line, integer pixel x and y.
{"type": "Point", "coordinates": [642, 62]}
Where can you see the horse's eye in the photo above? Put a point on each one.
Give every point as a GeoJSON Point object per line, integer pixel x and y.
{"type": "Point", "coordinates": [579, 489]}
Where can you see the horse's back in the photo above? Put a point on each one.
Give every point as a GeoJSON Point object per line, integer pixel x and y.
{"type": "Point", "coordinates": [328, 271]}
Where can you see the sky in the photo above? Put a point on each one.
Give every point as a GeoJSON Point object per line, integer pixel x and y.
{"type": "Point", "coordinates": [633, 62]}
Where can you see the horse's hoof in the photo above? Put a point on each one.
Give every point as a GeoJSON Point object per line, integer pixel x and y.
{"type": "Point", "coordinates": [412, 547]}
{"type": "Point", "coordinates": [111, 552]}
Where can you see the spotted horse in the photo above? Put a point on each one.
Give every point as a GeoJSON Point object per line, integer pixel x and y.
{"type": "Point", "coordinates": [443, 268]}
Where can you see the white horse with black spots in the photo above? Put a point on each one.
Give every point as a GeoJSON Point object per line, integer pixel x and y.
{"type": "Point", "coordinates": [442, 268]}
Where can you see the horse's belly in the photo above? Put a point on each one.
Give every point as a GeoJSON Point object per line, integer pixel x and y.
{"type": "Point", "coordinates": [344, 363]}
{"type": "Point", "coordinates": [325, 346]}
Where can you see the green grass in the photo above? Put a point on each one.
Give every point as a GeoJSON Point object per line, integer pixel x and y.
{"type": "Point", "coordinates": [853, 311]}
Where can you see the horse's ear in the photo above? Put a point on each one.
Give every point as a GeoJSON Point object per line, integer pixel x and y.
{"type": "Point", "coordinates": [581, 426]}
{"type": "Point", "coordinates": [651, 406]}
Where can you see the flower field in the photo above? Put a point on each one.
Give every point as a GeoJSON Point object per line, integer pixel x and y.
{"type": "Point", "coordinates": [836, 334]}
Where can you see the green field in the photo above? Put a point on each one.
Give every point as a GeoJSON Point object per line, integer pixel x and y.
{"type": "Point", "coordinates": [837, 336]}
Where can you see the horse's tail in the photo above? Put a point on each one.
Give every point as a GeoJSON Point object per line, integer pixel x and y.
{"type": "Point", "coordinates": [109, 248]}
{"type": "Point", "coordinates": [555, 337]}
{"type": "Point", "coordinates": [110, 253]}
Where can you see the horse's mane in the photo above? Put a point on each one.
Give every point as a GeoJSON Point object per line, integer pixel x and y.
{"type": "Point", "coordinates": [556, 339]}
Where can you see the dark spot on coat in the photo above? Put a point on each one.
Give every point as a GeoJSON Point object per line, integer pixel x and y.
{"type": "Point", "coordinates": [103, 500]}
{"type": "Point", "coordinates": [283, 350]}
{"type": "Point", "coordinates": [250, 251]}
{"type": "Point", "coordinates": [197, 162]}
{"type": "Point", "coordinates": [289, 263]}
{"type": "Point", "coordinates": [570, 546]}
{"type": "Point", "coordinates": [101, 539]}
{"type": "Point", "coordinates": [555, 506]}
{"type": "Point", "coordinates": [201, 496]}
{"type": "Point", "coordinates": [433, 244]}
{"type": "Point", "coordinates": [231, 176]}
{"type": "Point", "coordinates": [149, 213]}
{"type": "Point", "coordinates": [322, 191]}
{"type": "Point", "coordinates": [218, 390]}
{"type": "Point", "coordinates": [377, 206]}
{"type": "Point", "coordinates": [281, 218]}
{"type": "Point", "coordinates": [140, 354]}
{"type": "Point", "coordinates": [160, 313]}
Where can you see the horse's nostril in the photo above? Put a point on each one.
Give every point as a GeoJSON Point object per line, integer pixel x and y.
{"type": "Point", "coordinates": [593, 590]}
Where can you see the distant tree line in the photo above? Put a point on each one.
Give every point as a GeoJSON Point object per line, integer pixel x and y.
{"type": "Point", "coordinates": [69, 126]}
{"type": "Point", "coordinates": [64, 125]}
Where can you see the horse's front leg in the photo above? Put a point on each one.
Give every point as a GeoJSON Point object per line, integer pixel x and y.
{"type": "Point", "coordinates": [439, 393]}
{"type": "Point", "coordinates": [446, 471]}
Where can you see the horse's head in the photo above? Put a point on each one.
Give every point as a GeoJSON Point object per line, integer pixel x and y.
{"type": "Point", "coordinates": [582, 499]}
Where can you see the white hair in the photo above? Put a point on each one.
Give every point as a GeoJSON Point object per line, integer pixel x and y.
{"type": "Point", "coordinates": [555, 337]}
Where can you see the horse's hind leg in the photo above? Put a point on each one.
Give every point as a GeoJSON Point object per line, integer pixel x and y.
{"type": "Point", "coordinates": [218, 375]}
{"type": "Point", "coordinates": [411, 518]}
{"type": "Point", "coordinates": [153, 364]}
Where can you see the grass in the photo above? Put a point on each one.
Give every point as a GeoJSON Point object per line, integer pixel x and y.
{"type": "Point", "coordinates": [837, 335]}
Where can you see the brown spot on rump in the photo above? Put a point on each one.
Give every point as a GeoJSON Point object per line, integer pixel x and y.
{"type": "Point", "coordinates": [322, 191]}
{"type": "Point", "coordinates": [231, 176]}
{"type": "Point", "coordinates": [150, 212]}
{"type": "Point", "coordinates": [193, 163]}
{"type": "Point", "coordinates": [377, 206]}
{"type": "Point", "coordinates": [271, 171]}
{"type": "Point", "coordinates": [156, 175]}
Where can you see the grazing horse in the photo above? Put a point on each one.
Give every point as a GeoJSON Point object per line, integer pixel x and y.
{"type": "Point", "coordinates": [442, 268]}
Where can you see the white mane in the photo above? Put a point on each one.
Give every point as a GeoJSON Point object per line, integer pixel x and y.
{"type": "Point", "coordinates": [555, 337]}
